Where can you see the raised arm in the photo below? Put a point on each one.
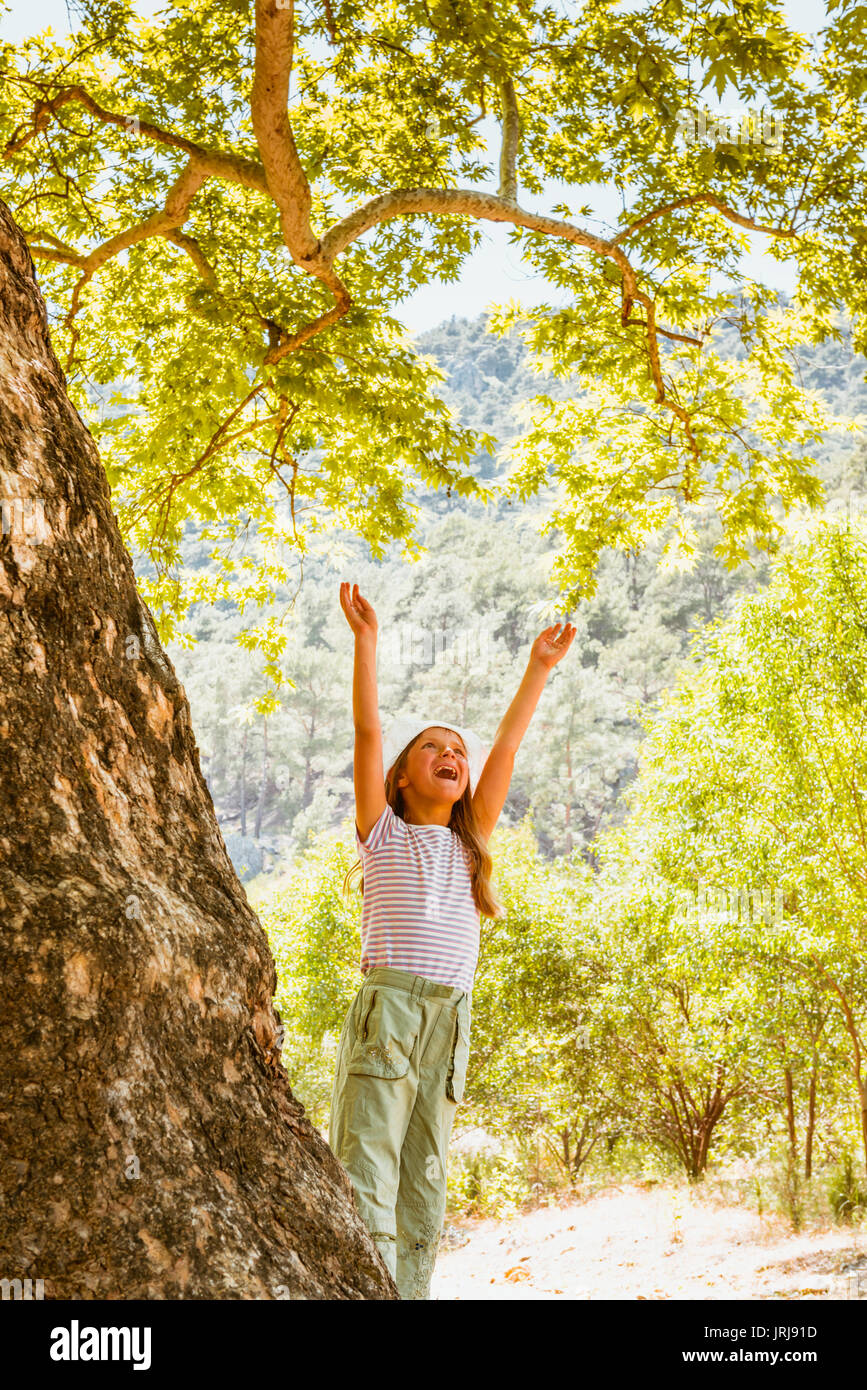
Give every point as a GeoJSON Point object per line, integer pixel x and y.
{"type": "Point", "coordinates": [367, 766]}
{"type": "Point", "coordinates": [490, 794]}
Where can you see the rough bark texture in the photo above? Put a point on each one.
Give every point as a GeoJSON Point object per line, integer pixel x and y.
{"type": "Point", "coordinates": [151, 1145]}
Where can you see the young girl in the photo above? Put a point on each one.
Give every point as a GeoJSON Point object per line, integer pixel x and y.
{"type": "Point", "coordinates": [425, 807]}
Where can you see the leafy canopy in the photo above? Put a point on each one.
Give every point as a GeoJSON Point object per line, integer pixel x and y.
{"type": "Point", "coordinates": [228, 204]}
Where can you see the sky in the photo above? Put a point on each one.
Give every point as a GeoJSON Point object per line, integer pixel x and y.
{"type": "Point", "coordinates": [495, 272]}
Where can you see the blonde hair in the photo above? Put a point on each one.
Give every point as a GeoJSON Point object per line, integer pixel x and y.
{"type": "Point", "coordinates": [464, 824]}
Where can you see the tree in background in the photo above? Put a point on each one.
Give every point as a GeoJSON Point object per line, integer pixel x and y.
{"type": "Point", "coordinates": [748, 811]}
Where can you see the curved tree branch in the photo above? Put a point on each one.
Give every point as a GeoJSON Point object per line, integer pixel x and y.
{"type": "Point", "coordinates": [282, 178]}
{"type": "Point", "coordinates": [175, 211]}
{"type": "Point", "coordinates": [287, 180]}
{"type": "Point", "coordinates": [269, 99]}
{"type": "Point", "coordinates": [234, 168]}
{"type": "Point", "coordinates": [713, 201]}
{"type": "Point", "coordinates": [471, 202]}
{"type": "Point", "coordinates": [196, 255]}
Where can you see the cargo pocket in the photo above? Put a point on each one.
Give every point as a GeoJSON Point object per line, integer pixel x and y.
{"type": "Point", "coordinates": [385, 1038]}
{"type": "Point", "coordinates": [457, 1073]}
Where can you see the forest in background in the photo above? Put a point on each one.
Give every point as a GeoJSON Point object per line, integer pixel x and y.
{"type": "Point", "coordinates": [455, 629]}
{"type": "Point", "coordinates": [682, 856]}
{"type": "Point", "coordinates": [691, 996]}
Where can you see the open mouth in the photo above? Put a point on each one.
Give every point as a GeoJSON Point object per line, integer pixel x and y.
{"type": "Point", "coordinates": [448, 772]}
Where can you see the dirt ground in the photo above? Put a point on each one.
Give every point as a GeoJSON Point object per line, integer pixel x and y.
{"type": "Point", "coordinates": [635, 1241]}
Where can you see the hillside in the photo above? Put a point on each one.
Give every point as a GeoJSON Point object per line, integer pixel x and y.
{"type": "Point", "coordinates": [481, 593]}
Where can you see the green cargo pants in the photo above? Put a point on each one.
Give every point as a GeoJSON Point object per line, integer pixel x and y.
{"type": "Point", "coordinates": [401, 1066]}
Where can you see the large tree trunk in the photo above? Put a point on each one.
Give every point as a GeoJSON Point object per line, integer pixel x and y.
{"type": "Point", "coordinates": [151, 1145]}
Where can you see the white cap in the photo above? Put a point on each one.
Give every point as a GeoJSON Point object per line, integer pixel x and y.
{"type": "Point", "coordinates": [406, 727]}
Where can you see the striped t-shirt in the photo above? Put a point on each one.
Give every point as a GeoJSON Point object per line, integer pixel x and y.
{"type": "Point", "coordinates": [418, 912]}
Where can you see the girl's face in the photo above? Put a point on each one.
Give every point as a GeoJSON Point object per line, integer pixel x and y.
{"type": "Point", "coordinates": [437, 766]}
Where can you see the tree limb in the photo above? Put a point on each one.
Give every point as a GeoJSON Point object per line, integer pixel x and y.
{"type": "Point", "coordinates": [511, 137]}
{"type": "Point", "coordinates": [175, 211]}
{"type": "Point", "coordinates": [713, 201]}
{"type": "Point", "coordinates": [282, 177]}
{"type": "Point", "coordinates": [196, 255]}
{"type": "Point", "coordinates": [234, 168]}
{"type": "Point", "coordinates": [287, 181]}
{"type": "Point", "coordinates": [269, 99]}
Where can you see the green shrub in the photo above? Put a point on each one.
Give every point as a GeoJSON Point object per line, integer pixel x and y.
{"type": "Point", "coordinates": [848, 1200]}
{"type": "Point", "coordinates": [482, 1184]}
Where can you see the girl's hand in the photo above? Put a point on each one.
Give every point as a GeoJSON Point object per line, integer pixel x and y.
{"type": "Point", "coordinates": [552, 645]}
{"type": "Point", "coordinates": [359, 613]}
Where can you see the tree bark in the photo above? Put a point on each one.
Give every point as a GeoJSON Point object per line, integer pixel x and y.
{"type": "Point", "coordinates": [811, 1124]}
{"type": "Point", "coordinates": [790, 1113]}
{"type": "Point", "coordinates": [151, 1144]}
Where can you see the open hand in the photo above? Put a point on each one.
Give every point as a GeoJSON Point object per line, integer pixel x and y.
{"type": "Point", "coordinates": [552, 645]}
{"type": "Point", "coordinates": [359, 613]}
